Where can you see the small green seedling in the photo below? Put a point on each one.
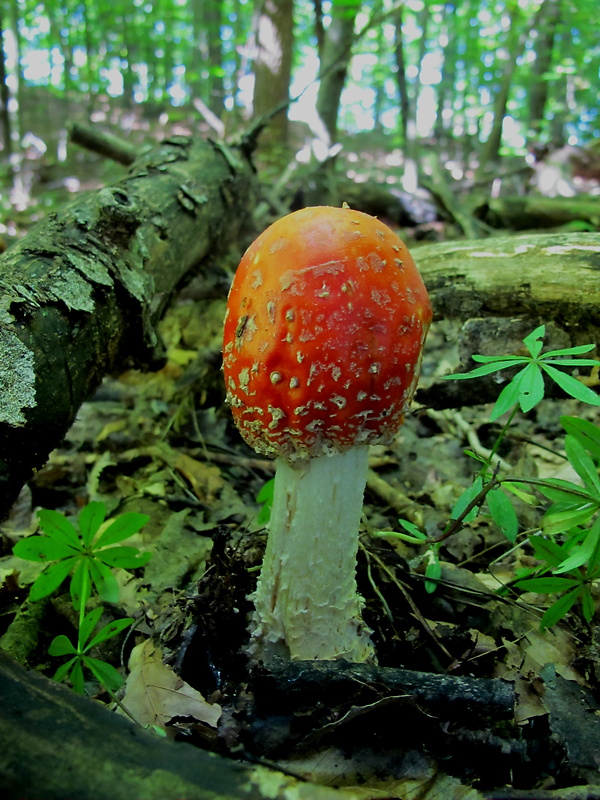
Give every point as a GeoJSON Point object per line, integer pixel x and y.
{"type": "Point", "coordinates": [79, 656]}
{"type": "Point", "coordinates": [568, 568]}
{"type": "Point", "coordinates": [526, 389]}
{"type": "Point", "coordinates": [572, 567]}
{"type": "Point", "coordinates": [431, 557]}
{"type": "Point", "coordinates": [87, 554]}
{"type": "Point", "coordinates": [265, 496]}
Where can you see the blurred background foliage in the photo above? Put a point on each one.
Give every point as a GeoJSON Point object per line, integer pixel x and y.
{"type": "Point", "coordinates": [468, 84]}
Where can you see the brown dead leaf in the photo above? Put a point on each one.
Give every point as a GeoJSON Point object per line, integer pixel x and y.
{"type": "Point", "coordinates": [205, 479]}
{"type": "Point", "coordinates": [525, 658]}
{"type": "Point", "coordinates": [155, 695]}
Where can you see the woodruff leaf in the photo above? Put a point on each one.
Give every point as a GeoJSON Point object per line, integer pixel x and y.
{"type": "Point", "coordinates": [43, 548]}
{"type": "Point", "coordinates": [503, 513]}
{"type": "Point", "coordinates": [547, 550]}
{"type": "Point", "coordinates": [124, 557]}
{"type": "Point", "coordinates": [582, 464]}
{"type": "Point", "coordinates": [50, 579]}
{"type": "Point", "coordinates": [80, 583]}
{"type": "Point", "coordinates": [108, 631]}
{"type": "Point", "coordinates": [433, 571]}
{"type": "Point", "coordinates": [570, 351]}
{"type": "Point", "coordinates": [88, 624]}
{"type": "Point", "coordinates": [494, 365]}
{"type": "Point", "coordinates": [572, 386]}
{"type": "Point", "coordinates": [58, 527]}
{"type": "Point", "coordinates": [558, 609]}
{"type": "Point", "coordinates": [531, 388]}
{"type": "Point", "coordinates": [76, 677]}
{"type": "Point", "coordinates": [534, 341]}
{"type": "Point", "coordinates": [61, 646]}
{"type": "Point", "coordinates": [90, 519]}
{"type": "Point", "coordinates": [104, 673]}
{"type": "Point", "coordinates": [507, 399]}
{"type": "Point", "coordinates": [467, 497]}
{"type": "Point", "coordinates": [104, 581]}
{"type": "Point", "coordinates": [561, 491]}
{"type": "Point", "coordinates": [582, 554]}
{"type": "Point", "coordinates": [122, 528]}
{"type": "Point", "coordinates": [63, 671]}
{"type": "Point", "coordinates": [588, 607]}
{"type": "Point", "coordinates": [585, 432]}
{"type": "Point", "coordinates": [565, 520]}
{"type": "Point", "coordinates": [546, 584]}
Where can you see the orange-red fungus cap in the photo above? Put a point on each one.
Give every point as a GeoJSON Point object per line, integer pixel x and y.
{"type": "Point", "coordinates": [325, 324]}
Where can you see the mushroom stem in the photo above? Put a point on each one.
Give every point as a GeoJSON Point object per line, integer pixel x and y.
{"type": "Point", "coordinates": [306, 602]}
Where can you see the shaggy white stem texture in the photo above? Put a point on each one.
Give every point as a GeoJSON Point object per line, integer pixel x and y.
{"type": "Point", "coordinates": [306, 602]}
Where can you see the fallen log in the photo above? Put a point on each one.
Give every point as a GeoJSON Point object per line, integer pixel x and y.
{"type": "Point", "coordinates": [534, 211]}
{"type": "Point", "coordinates": [104, 756]}
{"type": "Point", "coordinates": [542, 276]}
{"type": "Point", "coordinates": [81, 294]}
{"type": "Point", "coordinates": [503, 287]}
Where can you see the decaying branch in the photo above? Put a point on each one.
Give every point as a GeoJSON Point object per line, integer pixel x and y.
{"type": "Point", "coordinates": [292, 685]}
{"type": "Point", "coordinates": [104, 756]}
{"type": "Point", "coordinates": [541, 276]}
{"type": "Point", "coordinates": [503, 287]}
{"type": "Point", "coordinates": [82, 293]}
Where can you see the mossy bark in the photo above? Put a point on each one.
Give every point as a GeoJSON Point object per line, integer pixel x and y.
{"type": "Point", "coordinates": [55, 744]}
{"type": "Point", "coordinates": [502, 288]}
{"type": "Point", "coordinates": [81, 294]}
{"type": "Point", "coordinates": [550, 276]}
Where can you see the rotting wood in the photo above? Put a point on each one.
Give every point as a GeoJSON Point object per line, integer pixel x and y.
{"type": "Point", "coordinates": [105, 144]}
{"type": "Point", "coordinates": [81, 294]}
{"type": "Point", "coordinates": [505, 284]}
{"type": "Point", "coordinates": [541, 276]}
{"type": "Point", "coordinates": [104, 756]}
{"type": "Point", "coordinates": [534, 211]}
{"type": "Point", "coordinates": [292, 685]}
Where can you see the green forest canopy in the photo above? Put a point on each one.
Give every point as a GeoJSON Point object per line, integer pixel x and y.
{"type": "Point", "coordinates": [449, 70]}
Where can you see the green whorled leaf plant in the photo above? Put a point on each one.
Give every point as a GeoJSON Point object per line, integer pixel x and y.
{"type": "Point", "coordinates": [88, 555]}
{"type": "Point", "coordinates": [570, 568]}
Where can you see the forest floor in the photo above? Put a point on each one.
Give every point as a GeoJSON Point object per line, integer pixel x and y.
{"type": "Point", "coordinates": [163, 444]}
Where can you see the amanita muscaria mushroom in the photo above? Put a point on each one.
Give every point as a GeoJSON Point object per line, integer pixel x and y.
{"type": "Point", "coordinates": [324, 330]}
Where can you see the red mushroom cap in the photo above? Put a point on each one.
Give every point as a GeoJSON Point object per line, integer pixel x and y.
{"type": "Point", "coordinates": [324, 329]}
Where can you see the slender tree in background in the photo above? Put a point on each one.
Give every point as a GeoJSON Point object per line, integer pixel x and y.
{"type": "Point", "coordinates": [273, 66]}
{"type": "Point", "coordinates": [446, 95]}
{"type": "Point", "coordinates": [544, 31]}
{"type": "Point", "coordinates": [463, 68]}
{"type": "Point", "coordinates": [401, 73]}
{"type": "Point", "coordinates": [507, 54]}
{"type": "Point", "coordinates": [4, 97]}
{"type": "Point", "coordinates": [206, 63]}
{"type": "Point", "coordinates": [63, 48]}
{"type": "Point", "coordinates": [336, 55]}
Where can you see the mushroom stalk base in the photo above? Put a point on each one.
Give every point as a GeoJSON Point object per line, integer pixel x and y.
{"type": "Point", "coordinates": [306, 602]}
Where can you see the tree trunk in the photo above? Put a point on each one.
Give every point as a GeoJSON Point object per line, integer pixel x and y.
{"type": "Point", "coordinates": [515, 40]}
{"type": "Point", "coordinates": [55, 744]}
{"type": "Point", "coordinates": [401, 74]}
{"type": "Point", "coordinates": [337, 52]}
{"type": "Point", "coordinates": [533, 211]}
{"type": "Point", "coordinates": [4, 98]}
{"type": "Point", "coordinates": [543, 276]}
{"type": "Point", "coordinates": [206, 59]}
{"type": "Point", "coordinates": [273, 68]}
{"type": "Point", "coordinates": [545, 25]}
{"type": "Point", "coordinates": [83, 291]}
